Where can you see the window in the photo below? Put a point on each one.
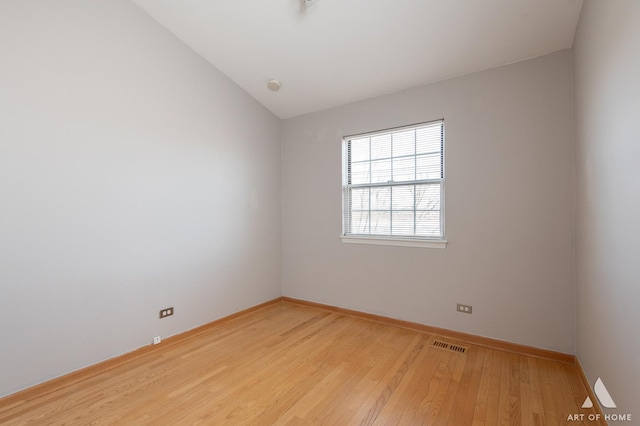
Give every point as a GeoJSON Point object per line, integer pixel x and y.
{"type": "Point", "coordinates": [393, 186]}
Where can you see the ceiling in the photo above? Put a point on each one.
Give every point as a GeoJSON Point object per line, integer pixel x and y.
{"type": "Point", "coordinates": [341, 51]}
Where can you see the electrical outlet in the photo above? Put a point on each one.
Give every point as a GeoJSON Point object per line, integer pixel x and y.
{"type": "Point", "coordinates": [467, 309]}
{"type": "Point", "coordinates": [157, 340]}
{"type": "Point", "coordinates": [166, 312]}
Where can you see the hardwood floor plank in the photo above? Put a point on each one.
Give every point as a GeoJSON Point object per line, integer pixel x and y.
{"type": "Point", "coordinates": [391, 386]}
{"type": "Point", "coordinates": [496, 386]}
{"type": "Point", "coordinates": [289, 364]}
{"type": "Point", "coordinates": [414, 396]}
{"type": "Point", "coordinates": [346, 389]}
{"type": "Point", "coordinates": [514, 400]}
{"type": "Point", "coordinates": [537, 406]}
{"type": "Point", "coordinates": [482, 401]}
{"type": "Point", "coordinates": [525, 393]}
{"type": "Point", "coordinates": [451, 390]}
{"type": "Point", "coordinates": [467, 396]}
{"type": "Point", "coordinates": [389, 356]}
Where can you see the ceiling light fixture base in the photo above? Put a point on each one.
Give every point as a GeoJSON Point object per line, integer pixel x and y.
{"type": "Point", "coordinates": [273, 85]}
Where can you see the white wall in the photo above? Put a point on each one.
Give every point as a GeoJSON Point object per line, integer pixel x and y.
{"type": "Point", "coordinates": [509, 208]}
{"type": "Point", "coordinates": [607, 109]}
{"type": "Point", "coordinates": [133, 176]}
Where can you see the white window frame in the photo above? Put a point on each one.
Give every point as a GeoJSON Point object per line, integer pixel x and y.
{"type": "Point", "coordinates": [392, 240]}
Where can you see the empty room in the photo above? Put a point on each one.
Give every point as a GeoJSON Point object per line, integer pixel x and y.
{"type": "Point", "coordinates": [329, 212]}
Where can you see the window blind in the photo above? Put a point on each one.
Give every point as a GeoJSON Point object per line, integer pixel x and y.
{"type": "Point", "coordinates": [393, 182]}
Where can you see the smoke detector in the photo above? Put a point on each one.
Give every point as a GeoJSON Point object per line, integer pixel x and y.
{"type": "Point", "coordinates": [309, 3]}
{"type": "Point", "coordinates": [273, 85]}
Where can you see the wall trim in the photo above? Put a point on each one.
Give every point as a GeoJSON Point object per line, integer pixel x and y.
{"type": "Point", "coordinates": [587, 385]}
{"type": "Point", "coordinates": [83, 374]}
{"type": "Point", "coordinates": [486, 342]}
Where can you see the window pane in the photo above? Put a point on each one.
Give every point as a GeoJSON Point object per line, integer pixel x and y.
{"type": "Point", "coordinates": [428, 166]}
{"type": "Point", "coordinates": [381, 198]}
{"type": "Point", "coordinates": [428, 224]}
{"type": "Point", "coordinates": [402, 223]}
{"type": "Point", "coordinates": [402, 198]}
{"type": "Point", "coordinates": [380, 171]}
{"type": "Point", "coordinates": [360, 222]}
{"type": "Point", "coordinates": [360, 199]}
{"type": "Point", "coordinates": [428, 139]}
{"type": "Point", "coordinates": [428, 197]}
{"type": "Point", "coordinates": [404, 143]}
{"type": "Point", "coordinates": [386, 167]}
{"type": "Point", "coordinates": [359, 149]}
{"type": "Point", "coordinates": [360, 173]}
{"type": "Point", "coordinates": [381, 146]}
{"type": "Point", "coordinates": [404, 169]}
{"type": "Point", "coordinates": [380, 223]}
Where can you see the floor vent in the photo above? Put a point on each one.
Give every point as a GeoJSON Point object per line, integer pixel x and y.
{"type": "Point", "coordinates": [449, 347]}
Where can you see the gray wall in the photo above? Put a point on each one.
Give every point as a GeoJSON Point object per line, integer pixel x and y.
{"type": "Point", "coordinates": [509, 208]}
{"type": "Point", "coordinates": [607, 110]}
{"type": "Point", "coordinates": [133, 176]}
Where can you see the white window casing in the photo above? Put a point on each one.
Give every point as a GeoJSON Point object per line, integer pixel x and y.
{"type": "Point", "coordinates": [393, 186]}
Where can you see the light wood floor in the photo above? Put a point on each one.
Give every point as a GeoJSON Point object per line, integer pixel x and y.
{"type": "Point", "coordinates": [293, 365]}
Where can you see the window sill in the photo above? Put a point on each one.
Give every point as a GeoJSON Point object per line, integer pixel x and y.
{"type": "Point", "coordinates": [393, 241]}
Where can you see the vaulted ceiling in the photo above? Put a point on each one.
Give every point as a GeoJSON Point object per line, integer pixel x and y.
{"type": "Point", "coordinates": [340, 51]}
